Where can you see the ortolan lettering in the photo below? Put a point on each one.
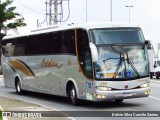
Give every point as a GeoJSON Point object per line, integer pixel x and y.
{"type": "Point", "coordinates": [49, 63]}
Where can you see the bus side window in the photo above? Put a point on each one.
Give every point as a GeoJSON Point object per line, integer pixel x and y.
{"type": "Point", "coordinates": [19, 50]}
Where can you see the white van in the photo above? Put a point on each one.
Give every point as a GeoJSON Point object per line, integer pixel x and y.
{"type": "Point", "coordinates": [157, 68]}
{"type": "Point", "coordinates": [154, 65]}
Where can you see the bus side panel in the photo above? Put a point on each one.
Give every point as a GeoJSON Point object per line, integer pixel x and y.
{"type": "Point", "coordinates": [45, 74]}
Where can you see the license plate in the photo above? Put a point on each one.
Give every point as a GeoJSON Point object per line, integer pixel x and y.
{"type": "Point", "coordinates": [127, 94]}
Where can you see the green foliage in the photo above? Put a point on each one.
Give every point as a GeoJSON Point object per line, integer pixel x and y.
{"type": "Point", "coordinates": [0, 115]}
{"type": "Point", "coordinates": [8, 18]}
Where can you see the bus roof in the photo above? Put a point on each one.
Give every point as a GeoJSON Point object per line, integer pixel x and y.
{"type": "Point", "coordinates": [86, 26]}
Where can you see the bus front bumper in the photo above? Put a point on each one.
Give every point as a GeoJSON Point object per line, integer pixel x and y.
{"type": "Point", "coordinates": [116, 95]}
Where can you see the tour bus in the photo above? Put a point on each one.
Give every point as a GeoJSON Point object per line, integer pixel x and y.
{"type": "Point", "coordinates": [90, 61]}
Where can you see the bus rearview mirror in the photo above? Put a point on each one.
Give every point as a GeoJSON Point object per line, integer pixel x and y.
{"type": "Point", "coordinates": [94, 52]}
{"type": "Point", "coordinates": [147, 42]}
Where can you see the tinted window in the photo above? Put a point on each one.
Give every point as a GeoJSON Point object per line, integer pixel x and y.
{"type": "Point", "coordinates": [117, 36]}
{"type": "Point", "coordinates": [61, 42]}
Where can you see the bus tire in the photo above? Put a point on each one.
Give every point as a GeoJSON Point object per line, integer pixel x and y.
{"type": "Point", "coordinates": [157, 76]}
{"type": "Point", "coordinates": [19, 90]}
{"type": "Point", "coordinates": [72, 95]}
{"type": "Point", "coordinates": [119, 100]}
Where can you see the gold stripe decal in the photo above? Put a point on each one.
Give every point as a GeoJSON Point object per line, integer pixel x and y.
{"type": "Point", "coordinates": [19, 65]}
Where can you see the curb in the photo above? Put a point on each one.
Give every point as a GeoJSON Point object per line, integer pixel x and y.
{"type": "Point", "coordinates": [1, 77]}
{"type": "Point", "coordinates": [1, 109]}
{"type": "Point", "coordinates": [38, 106]}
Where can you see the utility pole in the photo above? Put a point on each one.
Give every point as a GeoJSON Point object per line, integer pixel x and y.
{"type": "Point", "coordinates": [55, 11]}
{"type": "Point", "coordinates": [51, 13]}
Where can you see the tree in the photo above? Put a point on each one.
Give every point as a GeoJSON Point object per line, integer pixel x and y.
{"type": "Point", "coordinates": [8, 18]}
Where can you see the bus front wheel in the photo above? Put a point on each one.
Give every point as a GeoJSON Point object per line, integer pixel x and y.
{"type": "Point", "coordinates": [72, 95]}
{"type": "Point", "coordinates": [151, 75]}
{"type": "Point", "coordinates": [19, 90]}
{"type": "Point", "coordinates": [119, 101]}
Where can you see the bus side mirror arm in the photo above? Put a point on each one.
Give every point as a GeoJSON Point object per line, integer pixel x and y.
{"type": "Point", "coordinates": [94, 52]}
{"type": "Point", "coordinates": [148, 44]}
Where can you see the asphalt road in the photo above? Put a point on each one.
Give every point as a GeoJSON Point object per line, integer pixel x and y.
{"type": "Point", "coordinates": [151, 103]}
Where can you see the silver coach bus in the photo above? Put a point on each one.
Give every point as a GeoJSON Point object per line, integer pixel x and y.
{"type": "Point", "coordinates": [95, 62]}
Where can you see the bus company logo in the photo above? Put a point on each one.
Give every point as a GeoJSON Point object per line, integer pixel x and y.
{"type": "Point", "coordinates": [50, 63]}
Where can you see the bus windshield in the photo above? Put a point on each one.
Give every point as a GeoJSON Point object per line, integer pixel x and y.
{"type": "Point", "coordinates": [121, 62]}
{"type": "Point", "coordinates": [116, 36]}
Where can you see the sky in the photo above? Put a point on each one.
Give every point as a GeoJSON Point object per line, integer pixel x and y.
{"type": "Point", "coordinates": [145, 13]}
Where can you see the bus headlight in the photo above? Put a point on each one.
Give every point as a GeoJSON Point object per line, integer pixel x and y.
{"type": "Point", "coordinates": [144, 85]}
{"type": "Point", "coordinates": [102, 88]}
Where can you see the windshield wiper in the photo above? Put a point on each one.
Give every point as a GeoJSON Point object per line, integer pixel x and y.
{"type": "Point", "coordinates": [118, 66]}
{"type": "Point", "coordinates": [122, 58]}
{"type": "Point", "coordinates": [132, 65]}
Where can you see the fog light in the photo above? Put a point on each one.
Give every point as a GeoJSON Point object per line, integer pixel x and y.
{"type": "Point", "coordinates": [100, 96]}
{"type": "Point", "coordinates": [103, 96]}
{"type": "Point", "coordinates": [145, 85]}
{"type": "Point", "coordinates": [147, 92]}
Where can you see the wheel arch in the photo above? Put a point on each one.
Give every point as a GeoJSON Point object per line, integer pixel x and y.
{"type": "Point", "coordinates": [68, 86]}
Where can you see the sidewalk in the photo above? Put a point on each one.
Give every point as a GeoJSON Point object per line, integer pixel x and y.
{"type": "Point", "coordinates": [10, 104]}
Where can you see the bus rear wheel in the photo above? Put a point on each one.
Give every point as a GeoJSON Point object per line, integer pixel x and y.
{"type": "Point", "coordinates": [19, 90]}
{"type": "Point", "coordinates": [72, 95]}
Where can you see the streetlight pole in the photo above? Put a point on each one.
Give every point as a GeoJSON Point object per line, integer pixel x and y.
{"type": "Point", "coordinates": [129, 11]}
{"type": "Point", "coordinates": [86, 11]}
{"type": "Point", "coordinates": [111, 11]}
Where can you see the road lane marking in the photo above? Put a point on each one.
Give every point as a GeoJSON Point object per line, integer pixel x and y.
{"type": "Point", "coordinates": [154, 97]}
